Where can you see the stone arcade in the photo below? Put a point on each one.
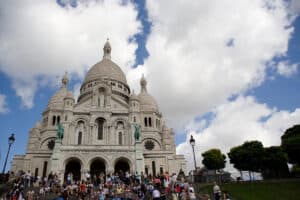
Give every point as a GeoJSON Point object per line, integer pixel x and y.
{"type": "Point", "coordinates": [99, 129]}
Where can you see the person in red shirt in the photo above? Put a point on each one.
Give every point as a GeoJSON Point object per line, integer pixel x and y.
{"type": "Point", "coordinates": [82, 189]}
{"type": "Point", "coordinates": [157, 181]}
{"type": "Point", "coordinates": [177, 189]}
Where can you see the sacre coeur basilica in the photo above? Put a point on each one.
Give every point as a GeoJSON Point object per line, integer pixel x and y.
{"type": "Point", "coordinates": [108, 129]}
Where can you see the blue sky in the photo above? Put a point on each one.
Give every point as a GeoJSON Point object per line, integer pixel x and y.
{"type": "Point", "coordinates": [199, 81]}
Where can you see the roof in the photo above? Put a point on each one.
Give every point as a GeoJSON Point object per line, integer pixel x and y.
{"type": "Point", "coordinates": [105, 69]}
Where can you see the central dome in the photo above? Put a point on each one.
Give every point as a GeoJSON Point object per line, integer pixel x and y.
{"type": "Point", "coordinates": [105, 72]}
{"type": "Point", "coordinates": [105, 69]}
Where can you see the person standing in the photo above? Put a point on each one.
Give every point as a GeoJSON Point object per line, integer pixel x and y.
{"type": "Point", "coordinates": [216, 190]}
{"type": "Point", "coordinates": [192, 193]}
{"type": "Point", "coordinates": [27, 179]}
{"type": "Point", "coordinates": [156, 194]}
{"type": "Point", "coordinates": [87, 176]}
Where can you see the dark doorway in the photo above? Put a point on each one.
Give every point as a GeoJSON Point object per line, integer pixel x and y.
{"type": "Point", "coordinates": [97, 168]}
{"type": "Point", "coordinates": [146, 170]}
{"type": "Point", "coordinates": [122, 166]}
{"type": "Point", "coordinates": [153, 168]}
{"type": "Point", "coordinates": [161, 170]}
{"type": "Point", "coordinates": [45, 169]}
{"type": "Point", "coordinates": [73, 167]}
{"type": "Point", "coordinates": [36, 172]}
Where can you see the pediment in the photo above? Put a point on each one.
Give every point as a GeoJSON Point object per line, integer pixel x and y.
{"type": "Point", "coordinates": [83, 106]}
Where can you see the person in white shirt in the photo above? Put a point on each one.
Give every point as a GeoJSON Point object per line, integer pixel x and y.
{"type": "Point", "coordinates": [216, 190]}
{"type": "Point", "coordinates": [87, 176]}
{"type": "Point", "coordinates": [192, 193]}
{"type": "Point", "coordinates": [156, 194]}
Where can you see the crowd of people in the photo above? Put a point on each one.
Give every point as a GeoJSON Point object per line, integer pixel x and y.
{"type": "Point", "coordinates": [115, 186]}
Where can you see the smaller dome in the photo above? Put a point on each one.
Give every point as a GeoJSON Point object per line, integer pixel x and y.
{"type": "Point", "coordinates": [57, 100]}
{"type": "Point", "coordinates": [147, 102]}
{"type": "Point", "coordinates": [133, 96]}
{"type": "Point", "coordinates": [70, 95]}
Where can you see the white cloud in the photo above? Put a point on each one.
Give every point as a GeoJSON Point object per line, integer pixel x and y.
{"type": "Point", "coordinates": [76, 90]}
{"type": "Point", "coordinates": [295, 6]}
{"type": "Point", "coordinates": [286, 69]}
{"type": "Point", "coordinates": [3, 104]}
{"type": "Point", "coordinates": [191, 68]}
{"type": "Point", "coordinates": [40, 40]}
{"type": "Point", "coordinates": [236, 122]}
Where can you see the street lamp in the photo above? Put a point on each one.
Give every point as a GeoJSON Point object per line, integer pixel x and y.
{"type": "Point", "coordinates": [11, 140]}
{"type": "Point", "coordinates": [192, 142]}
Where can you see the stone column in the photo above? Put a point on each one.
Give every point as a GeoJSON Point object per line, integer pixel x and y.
{"type": "Point", "coordinates": [139, 158]}
{"type": "Point", "coordinates": [56, 157]}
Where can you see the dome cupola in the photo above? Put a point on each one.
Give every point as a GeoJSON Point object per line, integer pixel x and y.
{"type": "Point", "coordinates": [57, 100]}
{"type": "Point", "coordinates": [147, 102]}
{"type": "Point", "coordinates": [107, 50]}
{"type": "Point", "coordinates": [105, 72]}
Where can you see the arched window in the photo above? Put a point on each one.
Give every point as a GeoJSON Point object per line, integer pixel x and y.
{"type": "Point", "coordinates": [101, 97]}
{"type": "Point", "coordinates": [161, 170]}
{"type": "Point", "coordinates": [100, 123]}
{"type": "Point", "coordinates": [53, 120]}
{"type": "Point", "coordinates": [58, 119]}
{"type": "Point", "coordinates": [120, 138]}
{"type": "Point", "coordinates": [134, 119]}
{"type": "Point", "coordinates": [120, 125]}
{"type": "Point", "coordinates": [145, 121]}
{"type": "Point", "coordinates": [66, 117]}
{"type": "Point", "coordinates": [150, 122]}
{"type": "Point", "coordinates": [79, 137]}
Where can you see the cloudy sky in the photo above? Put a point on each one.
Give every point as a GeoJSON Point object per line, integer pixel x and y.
{"type": "Point", "coordinates": [225, 71]}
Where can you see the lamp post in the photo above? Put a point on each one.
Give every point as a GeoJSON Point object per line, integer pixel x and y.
{"type": "Point", "coordinates": [192, 142]}
{"type": "Point", "coordinates": [11, 140]}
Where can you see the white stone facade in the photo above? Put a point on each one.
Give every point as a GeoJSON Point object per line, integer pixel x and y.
{"type": "Point", "coordinates": [99, 131]}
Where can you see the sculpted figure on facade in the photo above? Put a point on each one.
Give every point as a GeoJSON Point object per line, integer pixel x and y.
{"type": "Point", "coordinates": [137, 132]}
{"type": "Point", "coordinates": [60, 132]}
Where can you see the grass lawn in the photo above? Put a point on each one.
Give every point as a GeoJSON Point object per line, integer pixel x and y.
{"type": "Point", "coordinates": [267, 190]}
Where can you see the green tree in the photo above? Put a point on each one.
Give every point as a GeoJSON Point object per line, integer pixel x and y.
{"type": "Point", "coordinates": [236, 156]}
{"type": "Point", "coordinates": [247, 157]}
{"type": "Point", "coordinates": [275, 163]}
{"type": "Point", "coordinates": [290, 143]}
{"type": "Point", "coordinates": [213, 159]}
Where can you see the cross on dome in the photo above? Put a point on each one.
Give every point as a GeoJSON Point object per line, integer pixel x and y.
{"type": "Point", "coordinates": [65, 80]}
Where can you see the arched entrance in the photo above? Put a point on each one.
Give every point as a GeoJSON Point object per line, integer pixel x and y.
{"type": "Point", "coordinates": [97, 168]}
{"type": "Point", "coordinates": [122, 166]}
{"type": "Point", "coordinates": [73, 167]}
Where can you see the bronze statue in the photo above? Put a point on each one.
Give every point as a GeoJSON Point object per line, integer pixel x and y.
{"type": "Point", "coordinates": [137, 133]}
{"type": "Point", "coordinates": [60, 132]}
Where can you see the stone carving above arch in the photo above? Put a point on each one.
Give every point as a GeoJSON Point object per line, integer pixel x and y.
{"type": "Point", "coordinates": [83, 118]}
{"type": "Point", "coordinates": [156, 144]}
{"type": "Point", "coordinates": [76, 157]}
{"type": "Point", "coordinates": [123, 158]}
{"type": "Point", "coordinates": [116, 122]}
{"type": "Point", "coordinates": [44, 143]}
{"type": "Point", "coordinates": [102, 158]}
